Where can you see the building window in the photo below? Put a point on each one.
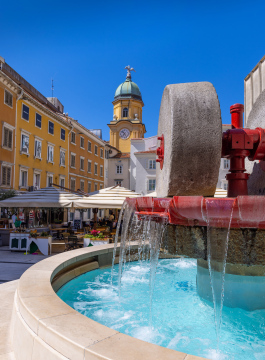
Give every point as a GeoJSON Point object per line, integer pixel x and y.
{"type": "Point", "coordinates": [6, 176]}
{"type": "Point", "coordinates": [224, 185]}
{"type": "Point", "coordinates": [96, 186]}
{"type": "Point", "coordinates": [7, 138]}
{"type": "Point", "coordinates": [101, 153]}
{"type": "Point", "coordinates": [96, 169]}
{"type": "Point", "coordinates": [118, 169]}
{"type": "Point", "coordinates": [72, 163]}
{"type": "Point", "coordinates": [82, 142]}
{"type": "Point", "coordinates": [125, 112]}
{"type": "Point", "coordinates": [25, 112]}
{"type": "Point", "coordinates": [36, 181]}
{"type": "Point", "coordinates": [62, 158]}
{"type": "Point", "coordinates": [62, 134]}
{"type": "Point", "coordinates": [50, 153]}
{"type": "Point", "coordinates": [37, 150]}
{"type": "Point", "coordinates": [89, 187]}
{"type": "Point", "coordinates": [73, 137]}
{"type": "Point", "coordinates": [82, 185]}
{"type": "Point", "coordinates": [151, 185]}
{"type": "Point", "coordinates": [23, 178]}
{"type": "Point", "coordinates": [96, 150]}
{"type": "Point", "coordinates": [82, 164]}
{"type": "Point", "coordinates": [101, 171]}
{"type": "Point", "coordinates": [226, 164]}
{"type": "Point", "coordinates": [49, 180]}
{"type": "Point", "coordinates": [118, 182]}
{"type": "Point", "coordinates": [89, 146]}
{"type": "Point", "coordinates": [38, 120]}
{"type": "Point", "coordinates": [8, 98]}
{"type": "Point", "coordinates": [100, 186]}
{"type": "Point", "coordinates": [72, 184]}
{"type": "Point", "coordinates": [62, 182]}
{"type": "Point", "coordinates": [151, 164]}
{"type": "Point", "coordinates": [51, 128]}
{"type": "Point", "coordinates": [24, 144]}
{"type": "Point", "coordinates": [89, 166]}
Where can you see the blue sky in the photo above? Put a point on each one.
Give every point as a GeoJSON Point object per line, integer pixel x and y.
{"type": "Point", "coordinates": [85, 45]}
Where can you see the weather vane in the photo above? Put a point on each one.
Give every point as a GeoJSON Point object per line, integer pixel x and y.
{"type": "Point", "coordinates": [129, 69]}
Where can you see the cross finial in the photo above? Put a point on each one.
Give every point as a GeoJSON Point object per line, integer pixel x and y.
{"type": "Point", "coordinates": [129, 69]}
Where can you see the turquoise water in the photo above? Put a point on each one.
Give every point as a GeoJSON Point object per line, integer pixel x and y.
{"type": "Point", "coordinates": [180, 320]}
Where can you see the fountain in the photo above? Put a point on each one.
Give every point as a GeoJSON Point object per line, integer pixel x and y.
{"type": "Point", "coordinates": [223, 237]}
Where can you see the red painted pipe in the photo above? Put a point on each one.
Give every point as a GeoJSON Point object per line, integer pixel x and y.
{"type": "Point", "coordinates": [248, 211]}
{"type": "Point", "coordinates": [236, 112]}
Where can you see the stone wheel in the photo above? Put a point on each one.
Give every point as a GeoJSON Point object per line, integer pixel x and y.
{"type": "Point", "coordinates": [190, 120]}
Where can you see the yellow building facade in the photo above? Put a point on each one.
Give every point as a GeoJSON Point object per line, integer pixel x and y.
{"type": "Point", "coordinates": [41, 146]}
{"type": "Point", "coordinates": [8, 103]}
{"type": "Point", "coordinates": [86, 159]}
{"type": "Point", "coordinates": [127, 115]}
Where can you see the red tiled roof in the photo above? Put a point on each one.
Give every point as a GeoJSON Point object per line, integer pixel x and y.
{"type": "Point", "coordinates": [121, 155]}
{"type": "Point", "coordinates": [146, 152]}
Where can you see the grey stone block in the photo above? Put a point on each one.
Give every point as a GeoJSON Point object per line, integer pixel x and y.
{"type": "Point", "coordinates": [190, 120]}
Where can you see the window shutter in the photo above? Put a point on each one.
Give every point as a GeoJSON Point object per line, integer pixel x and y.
{"type": "Point", "coordinates": [4, 175]}
{"type": "Point", "coordinates": [5, 137]}
{"type": "Point", "coordinates": [10, 133]}
{"type": "Point", "coordinates": [8, 176]}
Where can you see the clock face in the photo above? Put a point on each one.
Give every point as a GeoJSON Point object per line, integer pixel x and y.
{"type": "Point", "coordinates": [124, 133]}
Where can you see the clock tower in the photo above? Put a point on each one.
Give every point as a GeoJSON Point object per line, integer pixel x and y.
{"type": "Point", "coordinates": [127, 115]}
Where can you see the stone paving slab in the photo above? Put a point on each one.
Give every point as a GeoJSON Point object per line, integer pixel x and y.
{"type": "Point", "coordinates": [14, 263]}
{"type": "Point", "coordinates": [7, 292]}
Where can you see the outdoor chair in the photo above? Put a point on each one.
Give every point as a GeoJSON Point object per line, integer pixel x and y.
{"type": "Point", "coordinates": [70, 242]}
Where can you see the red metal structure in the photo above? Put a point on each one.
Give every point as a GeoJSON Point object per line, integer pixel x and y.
{"type": "Point", "coordinates": [160, 151]}
{"type": "Point", "coordinates": [237, 144]}
{"type": "Point", "coordinates": [248, 211]}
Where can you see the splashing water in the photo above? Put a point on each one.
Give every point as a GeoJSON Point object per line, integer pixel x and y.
{"type": "Point", "coordinates": [147, 235]}
{"type": "Point", "coordinates": [218, 229]}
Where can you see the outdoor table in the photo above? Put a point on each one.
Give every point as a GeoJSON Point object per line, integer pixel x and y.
{"type": "Point", "coordinates": [58, 230]}
{"type": "Point", "coordinates": [43, 244]}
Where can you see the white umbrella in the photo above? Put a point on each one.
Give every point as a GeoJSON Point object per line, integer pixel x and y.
{"type": "Point", "coordinates": [46, 198]}
{"type": "Point", "coordinates": [108, 198]}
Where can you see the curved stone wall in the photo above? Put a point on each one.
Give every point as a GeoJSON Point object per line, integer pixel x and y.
{"type": "Point", "coordinates": [45, 327]}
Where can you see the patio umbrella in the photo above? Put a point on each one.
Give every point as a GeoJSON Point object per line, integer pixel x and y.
{"type": "Point", "coordinates": [48, 197]}
{"type": "Point", "coordinates": [218, 193]}
{"type": "Point", "coordinates": [108, 198]}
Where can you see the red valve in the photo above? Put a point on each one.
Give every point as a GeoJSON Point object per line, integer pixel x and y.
{"type": "Point", "coordinates": [160, 151]}
{"type": "Point", "coordinates": [237, 144]}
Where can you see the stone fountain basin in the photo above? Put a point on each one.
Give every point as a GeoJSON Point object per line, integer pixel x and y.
{"type": "Point", "coordinates": [44, 327]}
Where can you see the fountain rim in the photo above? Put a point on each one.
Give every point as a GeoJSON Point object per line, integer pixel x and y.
{"type": "Point", "coordinates": [43, 322]}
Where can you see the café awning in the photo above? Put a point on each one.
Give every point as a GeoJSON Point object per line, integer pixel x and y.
{"type": "Point", "coordinates": [108, 198]}
{"type": "Point", "coordinates": [49, 197]}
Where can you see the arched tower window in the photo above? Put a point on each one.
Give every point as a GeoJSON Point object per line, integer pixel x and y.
{"type": "Point", "coordinates": [125, 112]}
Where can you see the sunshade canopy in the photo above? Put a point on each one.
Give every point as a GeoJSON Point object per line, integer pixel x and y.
{"type": "Point", "coordinates": [108, 198]}
{"type": "Point", "coordinates": [44, 198]}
